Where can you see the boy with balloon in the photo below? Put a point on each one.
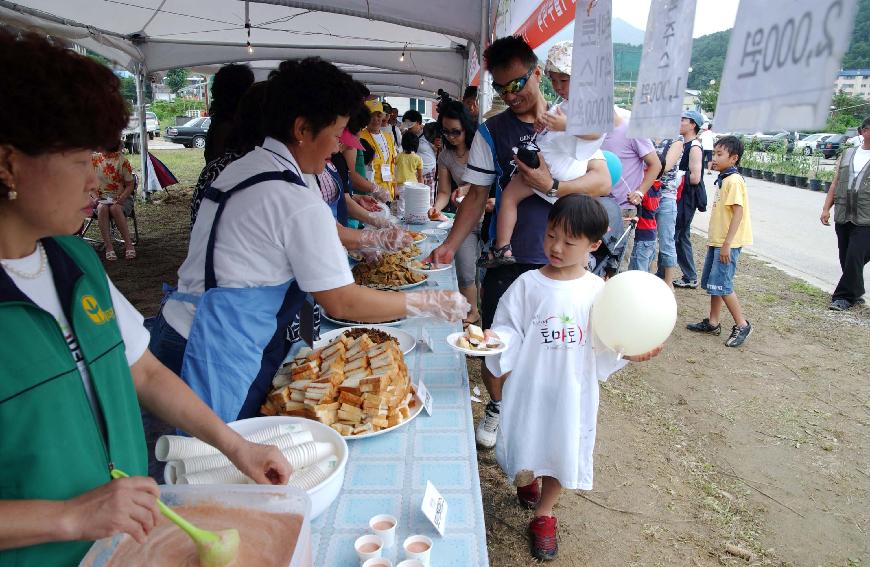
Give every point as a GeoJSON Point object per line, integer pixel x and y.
{"type": "Point", "coordinates": [549, 320]}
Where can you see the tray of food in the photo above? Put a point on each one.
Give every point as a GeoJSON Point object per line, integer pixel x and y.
{"type": "Point", "coordinates": [358, 388]}
{"type": "Point", "coordinates": [351, 323]}
{"type": "Point", "coordinates": [403, 255]}
{"type": "Point", "coordinates": [389, 273]}
{"type": "Point", "coordinates": [378, 334]}
{"type": "Point", "coordinates": [425, 266]}
{"type": "Point", "coordinates": [473, 343]}
{"type": "Point", "coordinates": [417, 236]}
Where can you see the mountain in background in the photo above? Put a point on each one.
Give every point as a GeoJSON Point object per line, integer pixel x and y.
{"type": "Point", "coordinates": [623, 32]}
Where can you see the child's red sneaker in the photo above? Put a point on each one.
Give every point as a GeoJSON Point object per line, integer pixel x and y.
{"type": "Point", "coordinates": [543, 530]}
{"type": "Point", "coordinates": [529, 495]}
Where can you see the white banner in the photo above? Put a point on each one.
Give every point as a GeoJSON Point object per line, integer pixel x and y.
{"type": "Point", "coordinates": [590, 104]}
{"type": "Point", "coordinates": [664, 65]}
{"type": "Point", "coordinates": [782, 62]}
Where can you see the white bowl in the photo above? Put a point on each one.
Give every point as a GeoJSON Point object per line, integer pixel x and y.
{"type": "Point", "coordinates": [324, 494]}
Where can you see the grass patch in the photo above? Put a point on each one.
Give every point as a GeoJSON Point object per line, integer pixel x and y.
{"type": "Point", "coordinates": [186, 164]}
{"type": "Point", "coordinates": [806, 289]}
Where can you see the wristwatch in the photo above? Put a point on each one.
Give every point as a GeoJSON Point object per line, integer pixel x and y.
{"type": "Point", "coordinates": [554, 190]}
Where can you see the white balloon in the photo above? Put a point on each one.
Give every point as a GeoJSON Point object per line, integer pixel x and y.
{"type": "Point", "coordinates": [634, 313]}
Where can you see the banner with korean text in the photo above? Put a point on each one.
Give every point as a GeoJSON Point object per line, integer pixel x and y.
{"type": "Point", "coordinates": [590, 101]}
{"type": "Point", "coordinates": [664, 65]}
{"type": "Point", "coordinates": [782, 61]}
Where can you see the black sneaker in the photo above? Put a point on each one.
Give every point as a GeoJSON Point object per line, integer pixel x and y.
{"type": "Point", "coordinates": [705, 327]}
{"type": "Point", "coordinates": [686, 284]}
{"type": "Point", "coordinates": [739, 335]}
{"type": "Point", "coordinates": [840, 305]}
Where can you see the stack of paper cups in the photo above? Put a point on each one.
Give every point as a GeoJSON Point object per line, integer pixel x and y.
{"type": "Point", "coordinates": [308, 454]}
{"type": "Point", "coordinates": [291, 440]}
{"type": "Point", "coordinates": [224, 475]}
{"type": "Point", "coordinates": [308, 478]}
{"type": "Point", "coordinates": [177, 447]}
{"type": "Point", "coordinates": [417, 203]}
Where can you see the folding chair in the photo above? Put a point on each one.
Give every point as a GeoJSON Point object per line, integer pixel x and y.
{"type": "Point", "coordinates": [113, 229]}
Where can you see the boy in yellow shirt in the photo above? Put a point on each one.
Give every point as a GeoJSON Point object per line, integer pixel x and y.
{"type": "Point", "coordinates": [409, 166]}
{"type": "Point", "coordinates": [730, 230]}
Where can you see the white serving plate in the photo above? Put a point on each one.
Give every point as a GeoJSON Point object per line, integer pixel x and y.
{"type": "Point", "coordinates": [453, 337]}
{"type": "Point", "coordinates": [397, 287]}
{"type": "Point", "coordinates": [435, 233]}
{"type": "Point", "coordinates": [406, 341]}
{"type": "Point", "coordinates": [446, 225]}
{"type": "Point", "coordinates": [442, 268]}
{"type": "Point", "coordinates": [344, 323]}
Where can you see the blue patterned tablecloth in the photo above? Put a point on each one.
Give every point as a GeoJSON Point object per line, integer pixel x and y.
{"type": "Point", "coordinates": [387, 474]}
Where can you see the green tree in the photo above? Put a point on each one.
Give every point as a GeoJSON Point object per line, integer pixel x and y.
{"type": "Point", "coordinates": [709, 97]}
{"type": "Point", "coordinates": [858, 55]}
{"type": "Point", "coordinates": [176, 79]}
{"type": "Point", "coordinates": [847, 111]}
{"type": "Point", "coordinates": [547, 88]}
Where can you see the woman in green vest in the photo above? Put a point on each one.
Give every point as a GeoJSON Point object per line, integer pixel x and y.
{"type": "Point", "coordinates": [74, 363]}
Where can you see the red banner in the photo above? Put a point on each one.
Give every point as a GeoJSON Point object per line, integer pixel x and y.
{"type": "Point", "coordinates": [546, 20]}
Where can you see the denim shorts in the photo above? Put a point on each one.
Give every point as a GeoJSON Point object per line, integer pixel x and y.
{"type": "Point", "coordinates": [642, 255]}
{"type": "Point", "coordinates": [666, 222]}
{"type": "Point", "coordinates": [718, 278]}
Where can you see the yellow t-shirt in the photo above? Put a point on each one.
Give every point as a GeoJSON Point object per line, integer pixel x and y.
{"type": "Point", "coordinates": [732, 191]}
{"type": "Point", "coordinates": [407, 166]}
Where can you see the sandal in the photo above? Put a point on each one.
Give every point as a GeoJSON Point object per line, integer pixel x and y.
{"type": "Point", "coordinates": [110, 255]}
{"type": "Point", "coordinates": [130, 254]}
{"type": "Point", "coordinates": [496, 257]}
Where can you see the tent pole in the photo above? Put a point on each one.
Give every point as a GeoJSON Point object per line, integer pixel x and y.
{"type": "Point", "coordinates": [139, 76]}
{"type": "Point", "coordinates": [483, 98]}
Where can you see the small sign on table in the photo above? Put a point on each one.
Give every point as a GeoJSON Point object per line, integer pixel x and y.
{"type": "Point", "coordinates": [435, 507]}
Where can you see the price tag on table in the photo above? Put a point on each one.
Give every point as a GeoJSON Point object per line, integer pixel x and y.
{"type": "Point", "coordinates": [426, 339]}
{"type": "Point", "coordinates": [435, 507]}
{"type": "Point", "coordinates": [425, 396]}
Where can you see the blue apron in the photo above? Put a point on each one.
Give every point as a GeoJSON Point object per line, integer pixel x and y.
{"type": "Point", "coordinates": [237, 340]}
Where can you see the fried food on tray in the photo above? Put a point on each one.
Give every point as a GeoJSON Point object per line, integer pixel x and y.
{"type": "Point", "coordinates": [352, 385]}
{"type": "Point", "coordinates": [389, 272]}
{"type": "Point", "coordinates": [417, 236]}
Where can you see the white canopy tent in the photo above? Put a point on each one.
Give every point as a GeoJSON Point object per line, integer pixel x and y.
{"type": "Point", "coordinates": [396, 47]}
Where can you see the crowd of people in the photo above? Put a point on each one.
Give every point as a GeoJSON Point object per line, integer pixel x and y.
{"type": "Point", "coordinates": [300, 168]}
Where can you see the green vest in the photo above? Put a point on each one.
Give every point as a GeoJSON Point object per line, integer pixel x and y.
{"type": "Point", "coordinates": [852, 197]}
{"type": "Point", "coordinates": [52, 446]}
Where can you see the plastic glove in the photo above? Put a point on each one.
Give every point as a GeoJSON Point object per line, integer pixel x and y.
{"type": "Point", "coordinates": [447, 305]}
{"type": "Point", "coordinates": [377, 221]}
{"type": "Point", "coordinates": [389, 239]}
{"type": "Point", "coordinates": [371, 256]}
{"type": "Point", "coordinates": [381, 194]}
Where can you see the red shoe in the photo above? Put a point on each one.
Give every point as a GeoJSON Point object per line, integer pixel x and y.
{"type": "Point", "coordinates": [529, 495]}
{"type": "Point", "coordinates": [543, 530]}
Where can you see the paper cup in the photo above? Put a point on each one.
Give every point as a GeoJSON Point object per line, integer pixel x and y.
{"type": "Point", "coordinates": [411, 563]}
{"type": "Point", "coordinates": [309, 477]}
{"type": "Point", "coordinates": [368, 547]}
{"type": "Point", "coordinates": [177, 447]}
{"type": "Point", "coordinates": [378, 562]}
{"type": "Point", "coordinates": [418, 547]}
{"type": "Point", "coordinates": [224, 475]}
{"type": "Point", "coordinates": [384, 525]}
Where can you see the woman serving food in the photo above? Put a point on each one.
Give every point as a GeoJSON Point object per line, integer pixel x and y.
{"type": "Point", "coordinates": [264, 239]}
{"type": "Point", "coordinates": [74, 362]}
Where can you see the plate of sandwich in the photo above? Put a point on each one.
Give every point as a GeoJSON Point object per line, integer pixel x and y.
{"type": "Point", "coordinates": [426, 267]}
{"type": "Point", "coordinates": [357, 387]}
{"type": "Point", "coordinates": [473, 343]}
{"type": "Point", "coordinates": [377, 333]}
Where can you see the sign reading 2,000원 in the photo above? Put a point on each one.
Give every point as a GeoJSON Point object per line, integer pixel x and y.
{"type": "Point", "coordinates": [782, 60]}
{"type": "Point", "coordinates": [590, 100]}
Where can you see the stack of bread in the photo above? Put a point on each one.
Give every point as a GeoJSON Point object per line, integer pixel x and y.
{"type": "Point", "coordinates": [353, 385]}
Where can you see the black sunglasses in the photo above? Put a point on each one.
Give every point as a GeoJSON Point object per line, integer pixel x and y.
{"type": "Point", "coordinates": [452, 132]}
{"type": "Point", "coordinates": [515, 85]}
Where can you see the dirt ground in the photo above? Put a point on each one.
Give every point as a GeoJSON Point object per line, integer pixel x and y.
{"type": "Point", "coordinates": [765, 447]}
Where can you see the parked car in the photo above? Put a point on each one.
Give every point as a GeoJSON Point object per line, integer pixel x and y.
{"type": "Point", "coordinates": [830, 147]}
{"type": "Point", "coordinates": [780, 138]}
{"type": "Point", "coordinates": [191, 134]}
{"type": "Point", "coordinates": [810, 144]}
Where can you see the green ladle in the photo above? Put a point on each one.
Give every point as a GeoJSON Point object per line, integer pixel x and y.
{"type": "Point", "coordinates": [215, 549]}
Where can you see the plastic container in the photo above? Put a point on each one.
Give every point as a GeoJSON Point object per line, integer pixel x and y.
{"type": "Point", "coordinates": [276, 499]}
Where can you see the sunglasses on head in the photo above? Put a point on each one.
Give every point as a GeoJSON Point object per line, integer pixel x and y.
{"type": "Point", "coordinates": [514, 86]}
{"type": "Point", "coordinates": [452, 132]}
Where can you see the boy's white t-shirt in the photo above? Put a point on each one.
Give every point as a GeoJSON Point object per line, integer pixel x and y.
{"type": "Point", "coordinates": [268, 234]}
{"type": "Point", "coordinates": [550, 400]}
{"type": "Point", "coordinates": [859, 160]}
{"type": "Point", "coordinates": [42, 292]}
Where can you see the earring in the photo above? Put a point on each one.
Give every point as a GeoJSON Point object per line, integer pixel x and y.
{"type": "Point", "coordinates": [12, 194]}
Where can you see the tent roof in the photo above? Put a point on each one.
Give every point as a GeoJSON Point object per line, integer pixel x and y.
{"type": "Point", "coordinates": [369, 35]}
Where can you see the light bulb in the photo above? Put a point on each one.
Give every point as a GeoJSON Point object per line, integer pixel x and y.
{"type": "Point", "coordinates": [250, 48]}
{"type": "Point", "coordinates": [422, 80]}
{"type": "Point", "coordinates": [402, 57]}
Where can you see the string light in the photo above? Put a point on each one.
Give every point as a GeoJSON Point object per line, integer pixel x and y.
{"type": "Point", "coordinates": [402, 57]}
{"type": "Point", "coordinates": [422, 80]}
{"type": "Point", "coordinates": [248, 29]}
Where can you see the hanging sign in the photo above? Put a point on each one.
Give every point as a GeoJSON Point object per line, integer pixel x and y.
{"type": "Point", "coordinates": [664, 66]}
{"type": "Point", "coordinates": [590, 104]}
{"type": "Point", "coordinates": [782, 61]}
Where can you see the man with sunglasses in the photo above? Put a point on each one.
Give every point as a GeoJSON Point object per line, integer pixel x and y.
{"type": "Point", "coordinates": [516, 78]}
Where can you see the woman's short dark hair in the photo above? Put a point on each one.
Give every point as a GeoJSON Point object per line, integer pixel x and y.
{"type": "Point", "coordinates": [457, 111]}
{"type": "Point", "coordinates": [410, 141]}
{"type": "Point", "coordinates": [54, 99]}
{"type": "Point", "coordinates": [311, 89]}
{"type": "Point", "coordinates": [470, 92]}
{"type": "Point", "coordinates": [229, 85]}
{"type": "Point", "coordinates": [504, 51]}
{"type": "Point", "coordinates": [413, 116]}
{"type": "Point", "coordinates": [247, 130]}
{"type": "Point", "coordinates": [579, 215]}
